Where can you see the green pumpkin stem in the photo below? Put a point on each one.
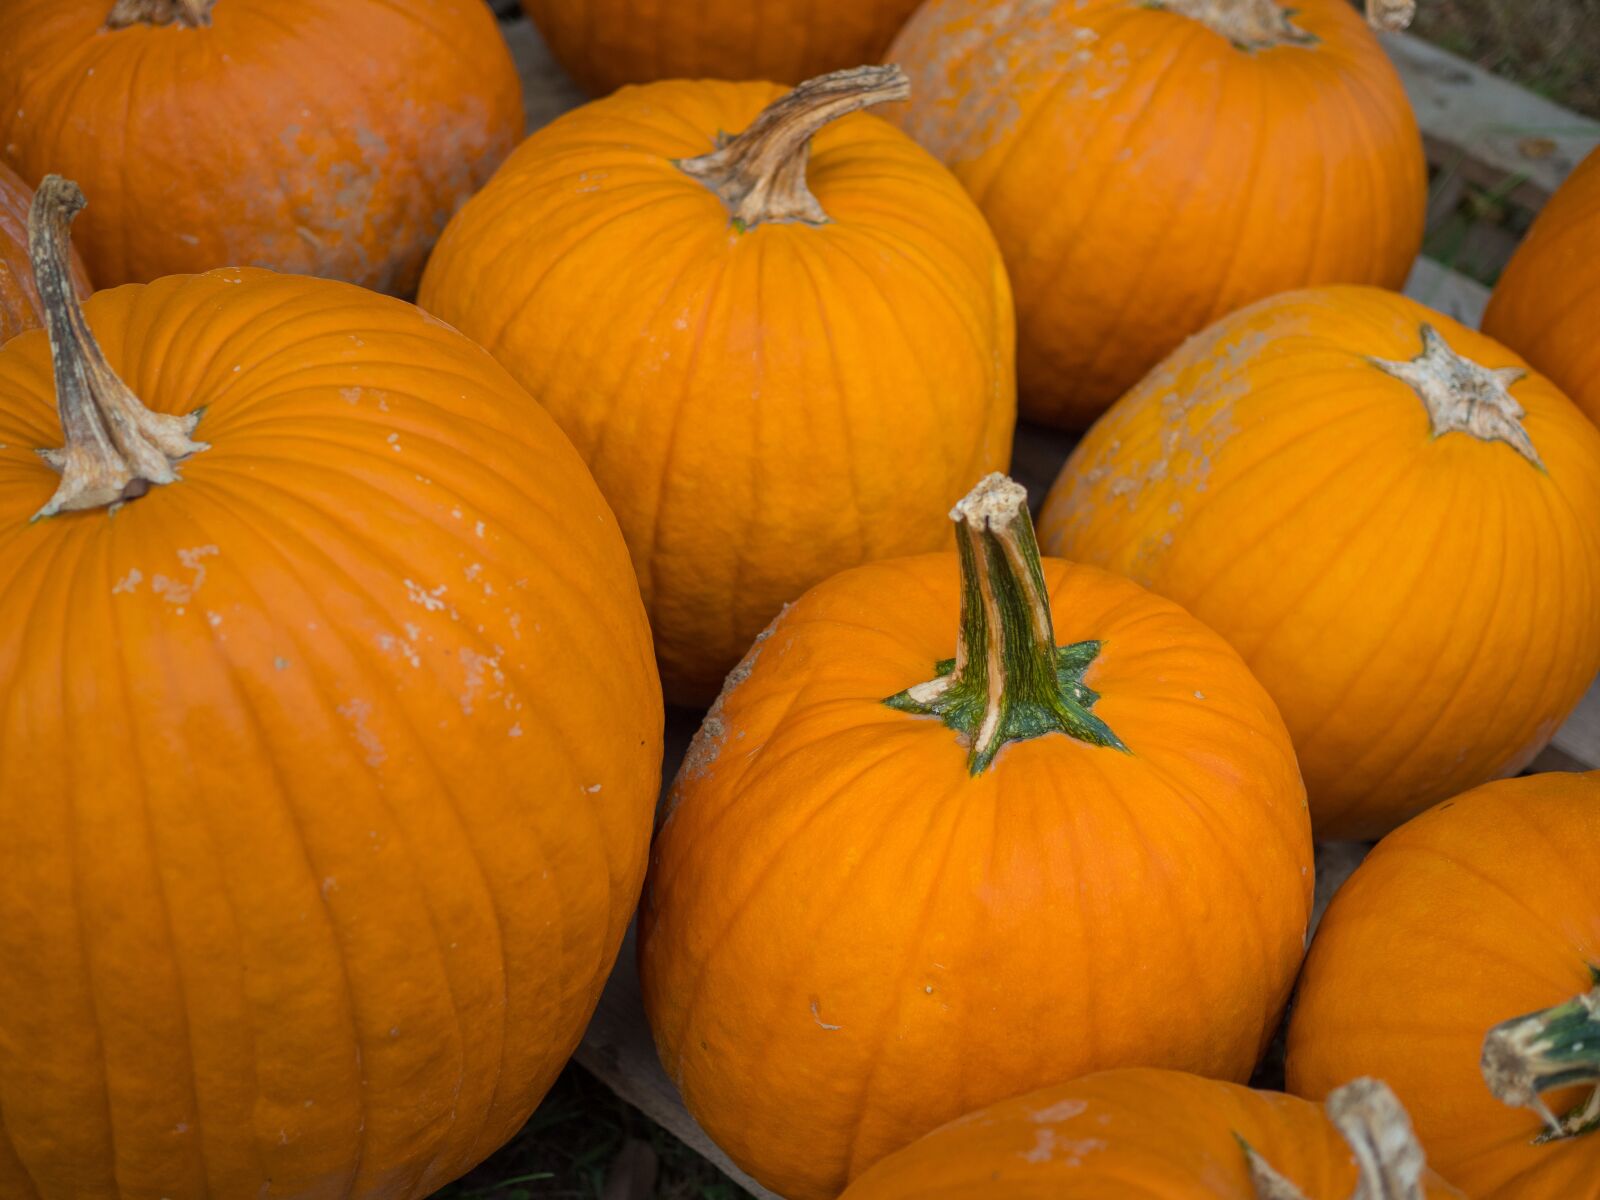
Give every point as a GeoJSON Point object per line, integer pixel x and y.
{"type": "Point", "coordinates": [191, 14]}
{"type": "Point", "coordinates": [1009, 680]}
{"type": "Point", "coordinates": [760, 174]}
{"type": "Point", "coordinates": [1388, 1157]}
{"type": "Point", "coordinates": [1558, 1048]}
{"type": "Point", "coordinates": [116, 447]}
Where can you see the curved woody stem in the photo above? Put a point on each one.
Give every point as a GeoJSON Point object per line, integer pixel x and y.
{"type": "Point", "coordinates": [116, 447]}
{"type": "Point", "coordinates": [1388, 1156]}
{"type": "Point", "coordinates": [1009, 681]}
{"type": "Point", "coordinates": [1543, 1051]}
{"type": "Point", "coordinates": [760, 174]}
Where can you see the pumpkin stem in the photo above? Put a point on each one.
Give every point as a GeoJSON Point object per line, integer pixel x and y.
{"type": "Point", "coordinates": [1391, 16]}
{"type": "Point", "coordinates": [191, 14]}
{"type": "Point", "coordinates": [1388, 1156]}
{"type": "Point", "coordinates": [760, 174]}
{"type": "Point", "coordinates": [1557, 1048]}
{"type": "Point", "coordinates": [1009, 681]}
{"type": "Point", "coordinates": [116, 447]}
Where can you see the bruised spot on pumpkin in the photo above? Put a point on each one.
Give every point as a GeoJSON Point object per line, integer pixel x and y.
{"type": "Point", "coordinates": [708, 739]}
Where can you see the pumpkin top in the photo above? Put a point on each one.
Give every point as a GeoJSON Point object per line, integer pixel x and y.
{"type": "Point", "coordinates": [1263, 24]}
{"type": "Point", "coordinates": [1557, 1048]}
{"type": "Point", "coordinates": [760, 174]}
{"type": "Point", "coordinates": [190, 14]}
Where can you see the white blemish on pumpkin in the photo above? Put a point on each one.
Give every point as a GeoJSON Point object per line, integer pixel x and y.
{"type": "Point", "coordinates": [816, 1015]}
{"type": "Point", "coordinates": [176, 591]}
{"type": "Point", "coordinates": [456, 513]}
{"type": "Point", "coordinates": [412, 631]}
{"type": "Point", "coordinates": [389, 643]}
{"type": "Point", "coordinates": [515, 730]}
{"type": "Point", "coordinates": [474, 570]}
{"type": "Point", "coordinates": [356, 712]}
{"type": "Point", "coordinates": [1044, 1145]}
{"type": "Point", "coordinates": [480, 669]}
{"type": "Point", "coordinates": [1063, 1110]}
{"type": "Point", "coordinates": [383, 404]}
{"type": "Point", "coordinates": [351, 395]}
{"type": "Point", "coordinates": [1199, 695]}
{"type": "Point", "coordinates": [329, 886]}
{"type": "Point", "coordinates": [281, 663]}
{"type": "Point", "coordinates": [394, 442]}
{"type": "Point", "coordinates": [420, 595]}
{"type": "Point", "coordinates": [593, 789]}
{"type": "Point", "coordinates": [478, 529]}
{"type": "Point", "coordinates": [128, 583]}
{"type": "Point", "coordinates": [213, 619]}
{"type": "Point", "coordinates": [708, 739]}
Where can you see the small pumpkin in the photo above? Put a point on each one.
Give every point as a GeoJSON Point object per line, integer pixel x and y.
{"type": "Point", "coordinates": [1462, 960]}
{"type": "Point", "coordinates": [604, 44]}
{"type": "Point", "coordinates": [1393, 521]}
{"type": "Point", "coordinates": [780, 357]}
{"type": "Point", "coordinates": [1136, 1134]}
{"type": "Point", "coordinates": [332, 743]}
{"type": "Point", "coordinates": [894, 885]}
{"type": "Point", "coordinates": [325, 137]}
{"type": "Point", "coordinates": [19, 300]}
{"type": "Point", "coordinates": [1150, 167]}
{"type": "Point", "coordinates": [1546, 306]}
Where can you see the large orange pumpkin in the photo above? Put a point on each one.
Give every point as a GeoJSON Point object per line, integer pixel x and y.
{"type": "Point", "coordinates": [1150, 167]}
{"type": "Point", "coordinates": [328, 137]}
{"type": "Point", "coordinates": [1394, 522]}
{"type": "Point", "coordinates": [19, 299]}
{"type": "Point", "coordinates": [1547, 304]}
{"type": "Point", "coordinates": [1163, 1135]}
{"type": "Point", "coordinates": [894, 885]}
{"type": "Point", "coordinates": [774, 371]}
{"type": "Point", "coordinates": [1449, 964]}
{"type": "Point", "coordinates": [607, 43]}
{"type": "Point", "coordinates": [329, 765]}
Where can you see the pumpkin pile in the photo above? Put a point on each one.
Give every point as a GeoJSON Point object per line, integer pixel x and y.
{"type": "Point", "coordinates": [339, 630]}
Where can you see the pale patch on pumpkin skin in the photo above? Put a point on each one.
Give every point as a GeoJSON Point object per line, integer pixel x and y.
{"type": "Point", "coordinates": [1065, 1110]}
{"type": "Point", "coordinates": [708, 739]}
{"type": "Point", "coordinates": [356, 712]}
{"type": "Point", "coordinates": [816, 1015]}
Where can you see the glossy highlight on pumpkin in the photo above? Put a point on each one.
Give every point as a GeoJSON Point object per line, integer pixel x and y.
{"type": "Point", "coordinates": [1133, 1134]}
{"type": "Point", "coordinates": [1150, 167]}
{"type": "Point", "coordinates": [325, 137]}
{"type": "Point", "coordinates": [1392, 519]}
{"type": "Point", "coordinates": [331, 762]}
{"type": "Point", "coordinates": [765, 397]}
{"type": "Point", "coordinates": [850, 936]}
{"type": "Point", "coordinates": [1546, 305]}
{"type": "Point", "coordinates": [1481, 910]}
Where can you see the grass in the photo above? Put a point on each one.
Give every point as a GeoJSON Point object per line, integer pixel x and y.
{"type": "Point", "coordinates": [1548, 46]}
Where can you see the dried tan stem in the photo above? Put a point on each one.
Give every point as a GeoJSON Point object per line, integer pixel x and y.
{"type": "Point", "coordinates": [191, 14]}
{"type": "Point", "coordinates": [1391, 16]}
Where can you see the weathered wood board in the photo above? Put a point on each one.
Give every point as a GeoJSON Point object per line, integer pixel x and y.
{"type": "Point", "coordinates": [1473, 123]}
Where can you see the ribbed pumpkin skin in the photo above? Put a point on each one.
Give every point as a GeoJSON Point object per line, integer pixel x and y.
{"type": "Point", "coordinates": [1132, 1135]}
{"type": "Point", "coordinates": [1547, 304]}
{"type": "Point", "coordinates": [1145, 177]}
{"type": "Point", "coordinates": [1425, 611]}
{"type": "Point", "coordinates": [329, 769]}
{"type": "Point", "coordinates": [1480, 910]}
{"type": "Point", "coordinates": [326, 137]}
{"type": "Point", "coordinates": [19, 299]}
{"type": "Point", "coordinates": [761, 409]}
{"type": "Point", "coordinates": [847, 940]}
{"type": "Point", "coordinates": [607, 43]}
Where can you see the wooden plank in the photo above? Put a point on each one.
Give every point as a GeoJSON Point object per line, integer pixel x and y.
{"type": "Point", "coordinates": [547, 91]}
{"type": "Point", "coordinates": [1487, 129]}
{"type": "Point", "coordinates": [1579, 738]}
{"type": "Point", "coordinates": [1437, 286]}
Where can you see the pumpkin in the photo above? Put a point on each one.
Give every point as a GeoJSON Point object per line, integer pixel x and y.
{"type": "Point", "coordinates": [1146, 1134]}
{"type": "Point", "coordinates": [1392, 520]}
{"type": "Point", "coordinates": [924, 855]}
{"type": "Point", "coordinates": [19, 300]}
{"type": "Point", "coordinates": [1462, 960]}
{"type": "Point", "coordinates": [775, 371]}
{"type": "Point", "coordinates": [332, 743]}
{"type": "Point", "coordinates": [604, 44]}
{"type": "Point", "coordinates": [1150, 167]}
{"type": "Point", "coordinates": [326, 137]}
{"type": "Point", "coordinates": [1547, 303]}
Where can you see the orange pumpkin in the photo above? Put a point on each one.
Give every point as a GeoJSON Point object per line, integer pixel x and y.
{"type": "Point", "coordinates": [19, 300]}
{"type": "Point", "coordinates": [1394, 522]}
{"type": "Point", "coordinates": [774, 371]}
{"type": "Point", "coordinates": [1547, 304]}
{"type": "Point", "coordinates": [1135, 1134]}
{"type": "Point", "coordinates": [1150, 167]}
{"type": "Point", "coordinates": [893, 885]}
{"type": "Point", "coordinates": [330, 764]}
{"type": "Point", "coordinates": [607, 43]}
{"type": "Point", "coordinates": [328, 137]}
{"type": "Point", "coordinates": [1479, 912]}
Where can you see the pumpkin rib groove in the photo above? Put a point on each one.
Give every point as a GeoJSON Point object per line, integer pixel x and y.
{"type": "Point", "coordinates": [1243, 224]}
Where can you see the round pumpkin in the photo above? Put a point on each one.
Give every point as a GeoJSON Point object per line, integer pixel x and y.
{"type": "Point", "coordinates": [332, 744]}
{"type": "Point", "coordinates": [1462, 963]}
{"type": "Point", "coordinates": [1150, 167]}
{"type": "Point", "coordinates": [1392, 520]}
{"type": "Point", "coordinates": [604, 44]}
{"type": "Point", "coordinates": [774, 371]}
{"type": "Point", "coordinates": [1162, 1135]}
{"type": "Point", "coordinates": [1547, 304]}
{"type": "Point", "coordinates": [895, 885]}
{"type": "Point", "coordinates": [19, 299]}
{"type": "Point", "coordinates": [326, 137]}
